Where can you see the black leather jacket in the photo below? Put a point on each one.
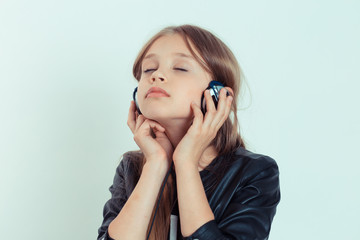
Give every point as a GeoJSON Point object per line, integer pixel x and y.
{"type": "Point", "coordinates": [244, 201]}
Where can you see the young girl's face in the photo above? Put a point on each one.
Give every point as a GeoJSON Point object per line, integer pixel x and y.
{"type": "Point", "coordinates": [169, 65]}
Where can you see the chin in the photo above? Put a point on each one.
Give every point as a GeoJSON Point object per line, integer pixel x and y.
{"type": "Point", "coordinates": [163, 112]}
{"type": "Point", "coordinates": [156, 114]}
{"type": "Point", "coordinates": [163, 116]}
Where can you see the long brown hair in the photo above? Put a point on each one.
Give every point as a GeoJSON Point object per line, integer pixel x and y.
{"type": "Point", "coordinates": [220, 62]}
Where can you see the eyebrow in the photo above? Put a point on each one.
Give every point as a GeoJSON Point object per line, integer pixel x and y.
{"type": "Point", "coordinates": [151, 55]}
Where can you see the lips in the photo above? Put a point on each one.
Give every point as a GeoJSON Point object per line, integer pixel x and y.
{"type": "Point", "coordinates": [157, 90]}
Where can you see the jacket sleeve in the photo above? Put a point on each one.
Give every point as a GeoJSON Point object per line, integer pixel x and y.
{"type": "Point", "coordinates": [250, 212]}
{"type": "Point", "coordinates": [115, 203]}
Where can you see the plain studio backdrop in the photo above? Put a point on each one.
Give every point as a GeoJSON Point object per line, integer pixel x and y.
{"type": "Point", "coordinates": [66, 84]}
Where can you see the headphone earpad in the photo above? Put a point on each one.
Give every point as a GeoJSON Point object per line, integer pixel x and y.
{"type": "Point", "coordinates": [135, 100]}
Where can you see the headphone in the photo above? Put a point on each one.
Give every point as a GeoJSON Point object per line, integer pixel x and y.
{"type": "Point", "coordinates": [135, 100]}
{"type": "Point", "coordinates": [214, 87]}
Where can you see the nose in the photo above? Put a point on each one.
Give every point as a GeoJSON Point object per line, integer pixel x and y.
{"type": "Point", "coordinates": [157, 75]}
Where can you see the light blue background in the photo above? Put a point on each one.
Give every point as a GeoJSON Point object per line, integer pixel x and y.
{"type": "Point", "coordinates": [66, 85]}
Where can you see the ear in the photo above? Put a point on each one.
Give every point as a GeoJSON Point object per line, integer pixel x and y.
{"type": "Point", "coordinates": [230, 91]}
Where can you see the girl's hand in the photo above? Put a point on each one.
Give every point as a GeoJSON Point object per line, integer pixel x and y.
{"type": "Point", "coordinates": [154, 149]}
{"type": "Point", "coordinates": [202, 131]}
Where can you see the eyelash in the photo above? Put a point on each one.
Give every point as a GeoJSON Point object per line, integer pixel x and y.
{"type": "Point", "coordinates": [149, 70]}
{"type": "Point", "coordinates": [181, 69]}
{"type": "Point", "coordinates": [152, 69]}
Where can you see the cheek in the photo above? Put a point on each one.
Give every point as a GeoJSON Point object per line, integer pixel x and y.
{"type": "Point", "coordinates": [192, 95]}
{"type": "Point", "coordinates": [142, 87]}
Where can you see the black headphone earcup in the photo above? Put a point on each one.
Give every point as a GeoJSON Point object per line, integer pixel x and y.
{"type": "Point", "coordinates": [203, 104]}
{"type": "Point", "coordinates": [203, 101]}
{"type": "Point", "coordinates": [214, 88]}
{"type": "Point", "coordinates": [135, 100]}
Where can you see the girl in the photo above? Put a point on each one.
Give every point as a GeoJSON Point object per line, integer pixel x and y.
{"type": "Point", "coordinates": [217, 188]}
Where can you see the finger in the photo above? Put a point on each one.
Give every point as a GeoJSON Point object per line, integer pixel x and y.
{"type": "Point", "coordinates": [228, 103]}
{"type": "Point", "coordinates": [139, 121]}
{"type": "Point", "coordinates": [159, 133]}
{"type": "Point", "coordinates": [221, 108]}
{"type": "Point", "coordinates": [210, 105]}
{"type": "Point", "coordinates": [198, 115]}
{"type": "Point", "coordinates": [131, 122]}
{"type": "Point", "coordinates": [210, 109]}
{"type": "Point", "coordinates": [145, 124]}
{"type": "Point", "coordinates": [157, 126]}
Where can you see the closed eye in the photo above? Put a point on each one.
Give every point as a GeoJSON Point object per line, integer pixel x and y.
{"type": "Point", "coordinates": [149, 70]}
{"type": "Point", "coordinates": [181, 69]}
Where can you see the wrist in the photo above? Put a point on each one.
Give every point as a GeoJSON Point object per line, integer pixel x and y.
{"type": "Point", "coordinates": [156, 167]}
{"type": "Point", "coordinates": [186, 165]}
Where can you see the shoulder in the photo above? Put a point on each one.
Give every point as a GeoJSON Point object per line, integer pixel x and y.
{"type": "Point", "coordinates": [130, 163]}
{"type": "Point", "coordinates": [131, 157]}
{"type": "Point", "coordinates": [127, 172]}
{"type": "Point", "coordinates": [246, 156]}
{"type": "Point", "coordinates": [250, 163]}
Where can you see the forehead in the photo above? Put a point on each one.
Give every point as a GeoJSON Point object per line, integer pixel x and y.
{"type": "Point", "coordinates": [169, 45]}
